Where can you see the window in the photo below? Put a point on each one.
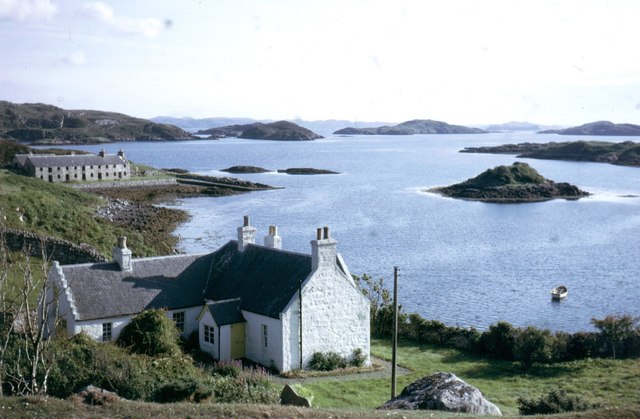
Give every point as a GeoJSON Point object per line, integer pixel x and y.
{"type": "Point", "coordinates": [265, 336]}
{"type": "Point", "coordinates": [209, 335]}
{"type": "Point", "coordinates": [178, 318]}
{"type": "Point", "coordinates": [106, 332]}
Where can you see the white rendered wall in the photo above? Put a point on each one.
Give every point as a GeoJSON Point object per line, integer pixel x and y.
{"type": "Point", "coordinates": [93, 328]}
{"type": "Point", "coordinates": [190, 319]}
{"type": "Point", "coordinates": [255, 350]}
{"type": "Point", "coordinates": [211, 348]}
{"type": "Point", "coordinates": [335, 316]}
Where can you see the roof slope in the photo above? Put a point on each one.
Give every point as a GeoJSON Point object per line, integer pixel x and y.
{"type": "Point", "coordinates": [74, 160]}
{"type": "Point", "coordinates": [226, 312]}
{"type": "Point", "coordinates": [265, 279]}
{"type": "Point", "coordinates": [102, 290]}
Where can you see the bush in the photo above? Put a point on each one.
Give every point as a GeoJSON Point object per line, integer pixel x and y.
{"type": "Point", "coordinates": [557, 401]}
{"type": "Point", "coordinates": [327, 362]}
{"type": "Point", "coordinates": [359, 358]}
{"type": "Point", "coordinates": [231, 368]}
{"type": "Point", "coordinates": [151, 333]}
{"type": "Point", "coordinates": [498, 341]}
{"type": "Point", "coordinates": [615, 331]}
{"type": "Point", "coordinates": [252, 385]}
{"type": "Point", "coordinates": [532, 345]}
{"type": "Point", "coordinates": [183, 389]}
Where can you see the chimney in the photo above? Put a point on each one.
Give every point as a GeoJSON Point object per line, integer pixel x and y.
{"type": "Point", "coordinates": [121, 153]}
{"type": "Point", "coordinates": [273, 240]}
{"type": "Point", "coordinates": [246, 234]}
{"type": "Point", "coordinates": [323, 250]}
{"type": "Point", "coordinates": [102, 153]}
{"type": "Point", "coordinates": [122, 255]}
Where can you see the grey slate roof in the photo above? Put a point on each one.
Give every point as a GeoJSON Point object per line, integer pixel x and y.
{"type": "Point", "coordinates": [263, 279]}
{"type": "Point", "coordinates": [74, 160]}
{"type": "Point", "coordinates": [102, 290]}
{"type": "Point", "coordinates": [226, 312]}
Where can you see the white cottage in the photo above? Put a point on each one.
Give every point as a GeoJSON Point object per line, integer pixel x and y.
{"type": "Point", "coordinates": [268, 305]}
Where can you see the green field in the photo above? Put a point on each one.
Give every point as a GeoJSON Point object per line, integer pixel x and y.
{"type": "Point", "coordinates": [612, 383]}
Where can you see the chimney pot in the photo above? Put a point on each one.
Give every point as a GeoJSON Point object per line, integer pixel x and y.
{"type": "Point", "coordinates": [246, 221]}
{"type": "Point", "coordinates": [326, 232]}
{"type": "Point", "coordinates": [319, 234]}
{"type": "Point", "coordinates": [122, 242]}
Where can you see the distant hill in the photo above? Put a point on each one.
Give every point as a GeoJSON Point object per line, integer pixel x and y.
{"type": "Point", "coordinates": [518, 126]}
{"type": "Point", "coordinates": [599, 128]}
{"type": "Point", "coordinates": [322, 127]}
{"type": "Point", "coordinates": [626, 153]}
{"type": "Point", "coordinates": [46, 124]}
{"type": "Point", "coordinates": [280, 131]}
{"type": "Point", "coordinates": [416, 126]}
{"type": "Point", "coordinates": [509, 184]}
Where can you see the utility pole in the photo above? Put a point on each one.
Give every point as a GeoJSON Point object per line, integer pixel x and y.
{"type": "Point", "coordinates": [394, 353]}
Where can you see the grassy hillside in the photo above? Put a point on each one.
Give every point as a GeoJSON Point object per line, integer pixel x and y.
{"type": "Point", "coordinates": [59, 211]}
{"type": "Point", "coordinates": [47, 124]}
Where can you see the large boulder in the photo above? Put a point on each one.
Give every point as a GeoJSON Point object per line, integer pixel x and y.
{"type": "Point", "coordinates": [291, 398]}
{"type": "Point", "coordinates": [442, 391]}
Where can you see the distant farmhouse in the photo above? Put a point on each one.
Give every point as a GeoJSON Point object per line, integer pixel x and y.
{"type": "Point", "coordinates": [268, 305]}
{"type": "Point", "coordinates": [69, 168]}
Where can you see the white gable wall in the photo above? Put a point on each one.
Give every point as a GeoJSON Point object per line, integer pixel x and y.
{"type": "Point", "coordinates": [272, 355]}
{"type": "Point", "coordinates": [335, 316]}
{"type": "Point", "coordinates": [211, 348]}
{"type": "Point", "coordinates": [190, 319]}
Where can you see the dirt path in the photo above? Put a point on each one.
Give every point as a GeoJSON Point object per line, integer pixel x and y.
{"type": "Point", "coordinates": [384, 372]}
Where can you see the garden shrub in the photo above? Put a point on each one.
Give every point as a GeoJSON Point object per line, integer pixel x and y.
{"type": "Point", "coordinates": [182, 390]}
{"type": "Point", "coordinates": [252, 385]}
{"type": "Point", "coordinates": [151, 333]}
{"type": "Point", "coordinates": [556, 401]}
{"type": "Point", "coordinates": [327, 361]}
{"type": "Point", "coordinates": [231, 368]}
{"type": "Point", "coordinates": [359, 358]}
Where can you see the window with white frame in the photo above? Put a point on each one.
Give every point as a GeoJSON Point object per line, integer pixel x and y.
{"type": "Point", "coordinates": [265, 336]}
{"type": "Point", "coordinates": [106, 332]}
{"type": "Point", "coordinates": [178, 318]}
{"type": "Point", "coordinates": [209, 335]}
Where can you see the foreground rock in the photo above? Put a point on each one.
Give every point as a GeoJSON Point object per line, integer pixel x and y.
{"type": "Point", "coordinates": [307, 171]}
{"type": "Point", "coordinates": [416, 126]}
{"type": "Point", "coordinates": [626, 153]}
{"type": "Point", "coordinates": [510, 184]}
{"type": "Point", "coordinates": [280, 131]}
{"type": "Point", "coordinates": [289, 397]}
{"type": "Point", "coordinates": [443, 391]}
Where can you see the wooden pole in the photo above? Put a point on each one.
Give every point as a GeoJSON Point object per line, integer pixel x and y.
{"type": "Point", "coordinates": [394, 353]}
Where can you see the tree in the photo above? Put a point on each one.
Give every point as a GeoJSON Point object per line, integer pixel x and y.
{"type": "Point", "coordinates": [28, 312]}
{"type": "Point", "coordinates": [532, 345]}
{"type": "Point", "coordinates": [614, 330]}
{"type": "Point", "coordinates": [498, 341]}
{"type": "Point", "coordinates": [381, 305]}
{"type": "Point", "coordinates": [151, 333]}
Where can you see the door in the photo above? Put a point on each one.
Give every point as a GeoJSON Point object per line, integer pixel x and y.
{"type": "Point", "coordinates": [237, 340]}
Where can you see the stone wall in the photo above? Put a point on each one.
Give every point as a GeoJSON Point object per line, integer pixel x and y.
{"type": "Point", "coordinates": [125, 184]}
{"type": "Point", "coordinates": [63, 251]}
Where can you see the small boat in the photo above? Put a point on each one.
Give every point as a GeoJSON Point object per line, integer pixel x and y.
{"type": "Point", "coordinates": [559, 293]}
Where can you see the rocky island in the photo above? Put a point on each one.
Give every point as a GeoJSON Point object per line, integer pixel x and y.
{"type": "Point", "coordinates": [42, 124]}
{"type": "Point", "coordinates": [416, 126]}
{"type": "Point", "coordinates": [279, 131]}
{"type": "Point", "coordinates": [245, 169]}
{"type": "Point", "coordinates": [307, 171]}
{"type": "Point", "coordinates": [598, 128]}
{"type": "Point", "coordinates": [626, 153]}
{"type": "Point", "coordinates": [511, 184]}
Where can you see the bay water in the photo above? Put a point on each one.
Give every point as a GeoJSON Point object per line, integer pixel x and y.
{"type": "Point", "coordinates": [461, 262]}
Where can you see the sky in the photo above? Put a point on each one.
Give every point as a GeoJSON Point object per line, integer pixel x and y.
{"type": "Point", "coordinates": [459, 61]}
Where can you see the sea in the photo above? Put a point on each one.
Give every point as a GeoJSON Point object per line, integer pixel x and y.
{"type": "Point", "coordinates": [465, 263]}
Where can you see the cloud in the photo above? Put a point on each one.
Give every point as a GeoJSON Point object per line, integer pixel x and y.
{"type": "Point", "coordinates": [75, 58]}
{"type": "Point", "coordinates": [21, 10]}
{"type": "Point", "coordinates": [638, 105]}
{"type": "Point", "coordinates": [101, 12]}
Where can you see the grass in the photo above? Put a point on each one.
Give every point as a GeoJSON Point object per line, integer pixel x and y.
{"type": "Point", "coordinates": [612, 383]}
{"type": "Point", "coordinates": [59, 211]}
